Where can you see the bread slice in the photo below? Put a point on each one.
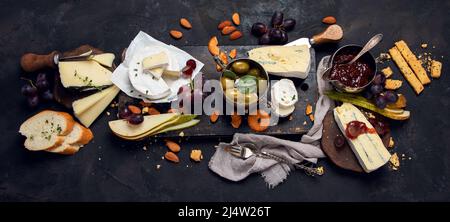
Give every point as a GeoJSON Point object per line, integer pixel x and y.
{"type": "Point", "coordinates": [79, 136]}
{"type": "Point", "coordinates": [46, 130]}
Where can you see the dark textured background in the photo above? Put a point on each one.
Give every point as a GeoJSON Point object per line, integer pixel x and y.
{"type": "Point", "coordinates": [112, 170]}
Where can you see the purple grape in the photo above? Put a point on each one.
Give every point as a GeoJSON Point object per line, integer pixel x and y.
{"type": "Point", "coordinates": [376, 89]}
{"type": "Point", "coordinates": [264, 40]}
{"type": "Point", "coordinates": [277, 19]}
{"type": "Point", "coordinates": [289, 24]}
{"type": "Point", "coordinates": [47, 95]}
{"type": "Point", "coordinates": [259, 29]}
{"type": "Point", "coordinates": [380, 101]}
{"type": "Point", "coordinates": [41, 76]}
{"type": "Point", "coordinates": [124, 112]}
{"type": "Point", "coordinates": [390, 97]}
{"type": "Point", "coordinates": [42, 84]}
{"type": "Point", "coordinates": [33, 101]}
{"type": "Point", "coordinates": [284, 37]}
{"type": "Point", "coordinates": [379, 79]}
{"type": "Point", "coordinates": [368, 94]}
{"type": "Point", "coordinates": [28, 90]}
{"type": "Point", "coordinates": [136, 119]}
{"type": "Point", "coordinates": [275, 36]}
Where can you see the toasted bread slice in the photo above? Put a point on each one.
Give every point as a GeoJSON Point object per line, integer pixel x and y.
{"type": "Point", "coordinates": [46, 130]}
{"type": "Point", "coordinates": [79, 136]}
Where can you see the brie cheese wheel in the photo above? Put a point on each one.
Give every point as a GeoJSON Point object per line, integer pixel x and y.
{"type": "Point", "coordinates": [150, 86]}
{"type": "Point", "coordinates": [84, 74]}
{"type": "Point", "coordinates": [157, 72]}
{"type": "Point", "coordinates": [285, 93]}
{"type": "Point", "coordinates": [287, 61]}
{"type": "Point", "coordinates": [368, 147]}
{"type": "Point", "coordinates": [155, 61]}
{"type": "Point", "coordinates": [105, 59]}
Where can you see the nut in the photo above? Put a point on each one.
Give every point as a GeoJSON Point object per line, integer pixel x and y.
{"type": "Point", "coordinates": [134, 109]}
{"type": "Point", "coordinates": [174, 147]}
{"type": "Point", "coordinates": [214, 116]}
{"type": "Point", "coordinates": [213, 46]}
{"type": "Point", "coordinates": [196, 155]}
{"type": "Point", "coordinates": [176, 34]}
{"type": "Point", "coordinates": [236, 19]}
{"type": "Point", "coordinates": [172, 157]}
{"type": "Point", "coordinates": [228, 29]}
{"type": "Point", "coordinates": [223, 24]}
{"type": "Point", "coordinates": [153, 111]}
{"type": "Point", "coordinates": [233, 53]}
{"type": "Point", "coordinates": [185, 23]}
{"type": "Point", "coordinates": [308, 109]}
{"type": "Point", "coordinates": [330, 20]}
{"type": "Point", "coordinates": [235, 35]}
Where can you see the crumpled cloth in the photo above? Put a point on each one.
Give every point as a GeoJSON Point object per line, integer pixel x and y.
{"type": "Point", "coordinates": [274, 172]}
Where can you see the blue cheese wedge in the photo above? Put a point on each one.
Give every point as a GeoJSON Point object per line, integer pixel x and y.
{"type": "Point", "coordinates": [368, 147]}
{"type": "Point", "coordinates": [287, 61]}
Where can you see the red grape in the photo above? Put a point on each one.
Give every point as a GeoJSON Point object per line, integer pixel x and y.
{"type": "Point", "coordinates": [275, 36]}
{"type": "Point", "coordinates": [42, 84]}
{"type": "Point", "coordinates": [376, 89]}
{"type": "Point", "coordinates": [187, 70]}
{"type": "Point", "coordinates": [28, 90]}
{"type": "Point", "coordinates": [284, 37]}
{"type": "Point", "coordinates": [277, 19]}
{"type": "Point", "coordinates": [136, 119]}
{"type": "Point", "coordinates": [264, 40]}
{"type": "Point", "coordinates": [390, 97]}
{"type": "Point", "coordinates": [380, 101]}
{"type": "Point", "coordinates": [289, 24]}
{"type": "Point", "coordinates": [259, 29]}
{"type": "Point", "coordinates": [191, 63]}
{"type": "Point", "coordinates": [379, 79]}
{"type": "Point", "coordinates": [47, 95]}
{"type": "Point", "coordinates": [33, 101]}
{"type": "Point", "coordinates": [124, 112]}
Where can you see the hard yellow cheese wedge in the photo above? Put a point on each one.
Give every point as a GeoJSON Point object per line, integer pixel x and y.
{"type": "Point", "coordinates": [88, 116]}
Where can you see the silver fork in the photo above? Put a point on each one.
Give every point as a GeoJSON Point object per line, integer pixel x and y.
{"type": "Point", "coordinates": [246, 150]}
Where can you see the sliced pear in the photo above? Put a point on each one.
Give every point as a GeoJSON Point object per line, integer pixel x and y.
{"type": "Point", "coordinates": [181, 126]}
{"type": "Point", "coordinates": [124, 129]}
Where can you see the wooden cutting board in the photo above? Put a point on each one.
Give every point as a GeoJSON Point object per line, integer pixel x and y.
{"type": "Point", "coordinates": [344, 156]}
{"type": "Point", "coordinates": [298, 123]}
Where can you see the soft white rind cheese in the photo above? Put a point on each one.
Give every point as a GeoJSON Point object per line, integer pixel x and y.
{"type": "Point", "coordinates": [368, 147]}
{"type": "Point", "coordinates": [155, 61]}
{"type": "Point", "coordinates": [84, 74]}
{"type": "Point", "coordinates": [287, 61]}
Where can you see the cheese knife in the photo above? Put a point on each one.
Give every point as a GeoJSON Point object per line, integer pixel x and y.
{"type": "Point", "coordinates": [332, 33]}
{"type": "Point", "coordinates": [31, 62]}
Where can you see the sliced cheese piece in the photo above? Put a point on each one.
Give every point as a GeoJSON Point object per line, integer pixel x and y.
{"type": "Point", "coordinates": [84, 74]}
{"type": "Point", "coordinates": [122, 128]}
{"type": "Point", "coordinates": [172, 73]}
{"type": "Point", "coordinates": [368, 147]}
{"type": "Point", "coordinates": [287, 61]}
{"type": "Point", "coordinates": [88, 116]}
{"type": "Point", "coordinates": [105, 59]}
{"type": "Point", "coordinates": [157, 72]}
{"type": "Point", "coordinates": [81, 105]}
{"type": "Point", "coordinates": [155, 61]}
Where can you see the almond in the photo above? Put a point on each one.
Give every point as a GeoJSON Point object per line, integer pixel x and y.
{"type": "Point", "coordinates": [174, 147]}
{"type": "Point", "coordinates": [176, 34]}
{"type": "Point", "coordinates": [213, 46]}
{"type": "Point", "coordinates": [134, 109]}
{"type": "Point", "coordinates": [330, 20]}
{"type": "Point", "coordinates": [223, 24]}
{"type": "Point", "coordinates": [236, 19]}
{"type": "Point", "coordinates": [236, 120]}
{"type": "Point", "coordinates": [223, 57]}
{"type": "Point", "coordinates": [228, 29]}
{"type": "Point", "coordinates": [153, 111]}
{"type": "Point", "coordinates": [308, 109]}
{"type": "Point", "coordinates": [218, 68]}
{"type": "Point", "coordinates": [311, 117]}
{"type": "Point", "coordinates": [214, 116]}
{"type": "Point", "coordinates": [235, 35]}
{"type": "Point", "coordinates": [233, 53]}
{"type": "Point", "coordinates": [171, 157]}
{"type": "Point", "coordinates": [185, 23]}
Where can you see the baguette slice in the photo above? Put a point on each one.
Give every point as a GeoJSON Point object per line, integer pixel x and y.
{"type": "Point", "coordinates": [46, 130]}
{"type": "Point", "coordinates": [79, 136]}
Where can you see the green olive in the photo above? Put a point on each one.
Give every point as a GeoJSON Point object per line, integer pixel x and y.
{"type": "Point", "coordinates": [254, 72]}
{"type": "Point", "coordinates": [240, 67]}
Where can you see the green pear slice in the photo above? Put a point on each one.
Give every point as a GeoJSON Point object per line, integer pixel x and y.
{"type": "Point", "coordinates": [124, 129]}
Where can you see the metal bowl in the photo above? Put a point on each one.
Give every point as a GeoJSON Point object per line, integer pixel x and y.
{"type": "Point", "coordinates": [354, 49]}
{"type": "Point", "coordinates": [252, 63]}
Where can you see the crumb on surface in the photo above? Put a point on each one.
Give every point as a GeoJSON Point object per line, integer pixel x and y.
{"type": "Point", "coordinates": [394, 162]}
{"type": "Point", "coordinates": [391, 142]}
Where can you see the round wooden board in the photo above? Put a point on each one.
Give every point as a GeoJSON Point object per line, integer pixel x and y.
{"type": "Point", "coordinates": [342, 157]}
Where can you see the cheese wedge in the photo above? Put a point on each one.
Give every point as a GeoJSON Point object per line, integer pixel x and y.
{"type": "Point", "coordinates": [105, 59]}
{"type": "Point", "coordinates": [157, 72]}
{"type": "Point", "coordinates": [287, 61]}
{"type": "Point", "coordinates": [84, 74]}
{"type": "Point", "coordinates": [81, 105]}
{"type": "Point", "coordinates": [122, 128]}
{"type": "Point", "coordinates": [368, 147]}
{"type": "Point", "coordinates": [155, 61]}
{"type": "Point", "coordinates": [88, 116]}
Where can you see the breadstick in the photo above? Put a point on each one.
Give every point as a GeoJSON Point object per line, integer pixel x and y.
{"type": "Point", "coordinates": [406, 71]}
{"type": "Point", "coordinates": [412, 60]}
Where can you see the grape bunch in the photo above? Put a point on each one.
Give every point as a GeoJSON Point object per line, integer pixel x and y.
{"type": "Point", "coordinates": [37, 91]}
{"type": "Point", "coordinates": [378, 93]}
{"type": "Point", "coordinates": [277, 34]}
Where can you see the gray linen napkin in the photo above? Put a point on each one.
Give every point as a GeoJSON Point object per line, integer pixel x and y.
{"type": "Point", "coordinates": [273, 172]}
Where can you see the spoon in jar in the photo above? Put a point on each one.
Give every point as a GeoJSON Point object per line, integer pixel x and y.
{"type": "Point", "coordinates": [369, 45]}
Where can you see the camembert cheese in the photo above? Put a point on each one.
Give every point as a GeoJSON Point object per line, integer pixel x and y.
{"type": "Point", "coordinates": [287, 61]}
{"type": "Point", "coordinates": [155, 61]}
{"type": "Point", "coordinates": [84, 74]}
{"type": "Point", "coordinates": [368, 147]}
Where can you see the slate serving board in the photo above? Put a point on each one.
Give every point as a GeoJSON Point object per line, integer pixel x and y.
{"type": "Point", "coordinates": [297, 123]}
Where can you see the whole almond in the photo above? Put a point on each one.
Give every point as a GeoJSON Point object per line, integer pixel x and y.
{"type": "Point", "coordinates": [185, 23]}
{"type": "Point", "coordinates": [330, 20]}
{"type": "Point", "coordinates": [176, 34]}
{"type": "Point", "coordinates": [235, 35]}
{"type": "Point", "coordinates": [171, 157]}
{"type": "Point", "coordinates": [228, 29]}
{"type": "Point", "coordinates": [236, 19]}
{"type": "Point", "coordinates": [224, 24]}
{"type": "Point", "coordinates": [134, 109]}
{"type": "Point", "coordinates": [233, 53]}
{"type": "Point", "coordinates": [174, 147]}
